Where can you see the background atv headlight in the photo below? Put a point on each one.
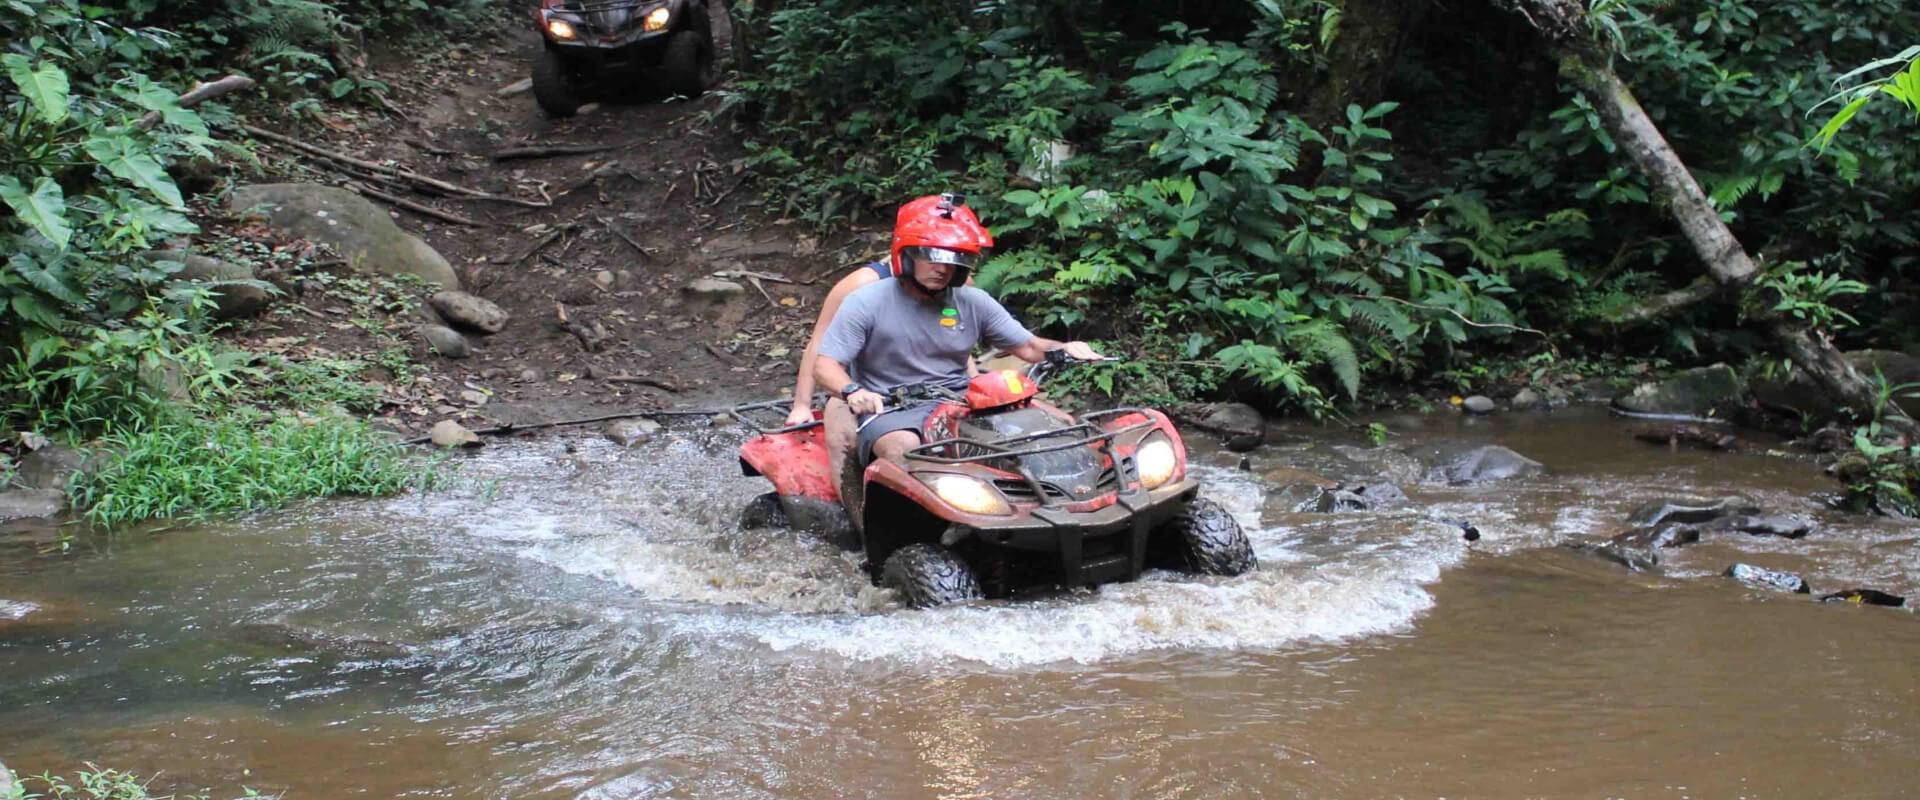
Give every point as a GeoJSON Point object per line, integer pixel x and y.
{"type": "Point", "coordinates": [967, 494]}
{"type": "Point", "coordinates": [1156, 460]}
{"type": "Point", "coordinates": [561, 29]}
{"type": "Point", "coordinates": [656, 20]}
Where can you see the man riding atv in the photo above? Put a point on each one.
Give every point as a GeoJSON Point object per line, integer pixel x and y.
{"type": "Point", "coordinates": [916, 328]}
{"type": "Point", "coordinates": [959, 488]}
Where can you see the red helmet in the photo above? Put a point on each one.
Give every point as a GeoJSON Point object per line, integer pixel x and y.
{"type": "Point", "coordinates": [939, 228]}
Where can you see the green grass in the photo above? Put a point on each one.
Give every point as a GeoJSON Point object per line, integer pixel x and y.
{"type": "Point", "coordinates": [243, 461]}
{"type": "Point", "coordinates": [94, 783]}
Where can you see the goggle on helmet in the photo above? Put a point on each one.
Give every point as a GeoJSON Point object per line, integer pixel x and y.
{"type": "Point", "coordinates": [942, 230]}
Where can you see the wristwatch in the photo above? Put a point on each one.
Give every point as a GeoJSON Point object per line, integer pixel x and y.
{"type": "Point", "coordinates": [848, 390]}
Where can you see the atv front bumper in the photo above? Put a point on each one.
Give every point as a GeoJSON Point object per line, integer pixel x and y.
{"type": "Point", "coordinates": [645, 51]}
{"type": "Point", "coordinates": [1100, 546]}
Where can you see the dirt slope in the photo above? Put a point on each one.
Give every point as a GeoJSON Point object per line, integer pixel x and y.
{"type": "Point", "coordinates": [629, 228]}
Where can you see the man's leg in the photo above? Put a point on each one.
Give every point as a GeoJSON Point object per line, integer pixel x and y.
{"type": "Point", "coordinates": [843, 459]}
{"type": "Point", "coordinates": [894, 444]}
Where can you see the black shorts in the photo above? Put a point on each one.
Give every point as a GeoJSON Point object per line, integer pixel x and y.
{"type": "Point", "coordinates": [912, 418]}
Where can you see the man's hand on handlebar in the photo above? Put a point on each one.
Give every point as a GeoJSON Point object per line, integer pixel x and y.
{"type": "Point", "coordinates": [864, 402]}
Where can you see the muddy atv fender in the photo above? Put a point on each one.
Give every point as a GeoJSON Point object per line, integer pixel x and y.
{"type": "Point", "coordinates": [1203, 538]}
{"type": "Point", "coordinates": [555, 87]}
{"type": "Point", "coordinates": [928, 575]}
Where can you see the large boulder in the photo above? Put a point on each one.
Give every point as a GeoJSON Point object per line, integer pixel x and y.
{"type": "Point", "coordinates": [470, 311]}
{"type": "Point", "coordinates": [1459, 463]}
{"type": "Point", "coordinates": [50, 467]}
{"type": "Point", "coordinates": [240, 293]}
{"type": "Point", "coordinates": [1698, 392]}
{"type": "Point", "coordinates": [1799, 394]}
{"type": "Point", "coordinates": [31, 503]}
{"type": "Point", "coordinates": [359, 230]}
{"type": "Point", "coordinates": [1242, 424]}
{"type": "Point", "coordinates": [446, 341]}
{"type": "Point", "coordinates": [1385, 463]}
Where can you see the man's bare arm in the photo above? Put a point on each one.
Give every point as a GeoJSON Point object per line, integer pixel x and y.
{"type": "Point", "coordinates": [1034, 350]}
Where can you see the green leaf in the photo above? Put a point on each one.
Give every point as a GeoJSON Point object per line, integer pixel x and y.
{"type": "Point", "coordinates": [45, 209]}
{"type": "Point", "coordinates": [128, 160]}
{"type": "Point", "coordinates": [46, 87]}
{"type": "Point", "coordinates": [32, 310]}
{"type": "Point", "coordinates": [1380, 110]}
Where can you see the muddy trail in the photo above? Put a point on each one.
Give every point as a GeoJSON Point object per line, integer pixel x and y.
{"type": "Point", "coordinates": [649, 277]}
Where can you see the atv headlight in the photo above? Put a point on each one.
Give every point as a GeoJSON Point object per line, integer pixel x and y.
{"type": "Point", "coordinates": [656, 20]}
{"type": "Point", "coordinates": [1156, 460]}
{"type": "Point", "coordinates": [967, 494]}
{"type": "Point", "coordinates": [561, 29]}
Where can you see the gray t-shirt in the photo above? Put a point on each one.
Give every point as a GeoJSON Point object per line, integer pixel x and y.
{"type": "Point", "coordinates": [889, 338]}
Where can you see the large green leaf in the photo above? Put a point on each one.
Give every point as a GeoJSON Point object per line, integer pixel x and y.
{"type": "Point", "coordinates": [50, 278]}
{"type": "Point", "coordinates": [46, 87]}
{"type": "Point", "coordinates": [129, 160]}
{"type": "Point", "coordinates": [45, 208]}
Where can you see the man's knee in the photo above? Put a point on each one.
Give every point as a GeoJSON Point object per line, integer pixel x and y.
{"type": "Point", "coordinates": [838, 421]}
{"type": "Point", "coordinates": [893, 444]}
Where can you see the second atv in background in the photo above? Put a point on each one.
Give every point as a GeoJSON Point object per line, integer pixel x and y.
{"type": "Point", "coordinates": [599, 47]}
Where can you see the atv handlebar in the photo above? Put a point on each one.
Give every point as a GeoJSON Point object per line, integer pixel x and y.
{"type": "Point", "coordinates": [1057, 360]}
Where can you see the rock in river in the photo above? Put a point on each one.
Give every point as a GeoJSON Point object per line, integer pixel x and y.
{"type": "Point", "coordinates": [1870, 597]}
{"type": "Point", "coordinates": [1459, 464]}
{"type": "Point", "coordinates": [1690, 510]}
{"type": "Point", "coordinates": [1242, 424]}
{"type": "Point", "coordinates": [1696, 392]}
{"type": "Point", "coordinates": [1762, 578]}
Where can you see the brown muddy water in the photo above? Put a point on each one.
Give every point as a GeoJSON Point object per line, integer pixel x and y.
{"type": "Point", "coordinates": [583, 621]}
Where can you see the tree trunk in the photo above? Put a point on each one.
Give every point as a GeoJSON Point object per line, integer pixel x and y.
{"type": "Point", "coordinates": [1564, 24]}
{"type": "Point", "coordinates": [745, 36]}
{"type": "Point", "coordinates": [1366, 44]}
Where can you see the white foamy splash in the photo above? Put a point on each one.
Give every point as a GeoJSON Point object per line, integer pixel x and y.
{"type": "Point", "coordinates": [657, 521]}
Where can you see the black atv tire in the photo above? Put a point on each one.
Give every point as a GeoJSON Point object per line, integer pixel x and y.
{"type": "Point", "coordinates": [688, 63]}
{"type": "Point", "coordinates": [1205, 539]}
{"type": "Point", "coordinates": [554, 86]}
{"type": "Point", "coordinates": [928, 575]}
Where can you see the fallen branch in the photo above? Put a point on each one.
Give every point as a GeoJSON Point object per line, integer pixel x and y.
{"type": "Point", "coordinates": [1664, 304]}
{"type": "Point", "coordinates": [1188, 419]}
{"type": "Point", "coordinates": [199, 94]}
{"type": "Point", "coordinates": [417, 208]}
{"type": "Point", "coordinates": [1463, 319]}
{"type": "Point", "coordinates": [608, 224]}
{"type": "Point", "coordinates": [741, 273]}
{"type": "Point", "coordinates": [645, 381]}
{"type": "Point", "coordinates": [542, 245]}
{"type": "Point", "coordinates": [407, 175]}
{"type": "Point", "coordinates": [720, 355]}
{"type": "Point", "coordinates": [547, 151]}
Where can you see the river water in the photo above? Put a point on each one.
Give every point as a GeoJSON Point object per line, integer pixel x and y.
{"type": "Point", "coordinates": [578, 620]}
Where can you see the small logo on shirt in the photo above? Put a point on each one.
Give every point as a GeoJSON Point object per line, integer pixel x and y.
{"type": "Point", "coordinates": [950, 319]}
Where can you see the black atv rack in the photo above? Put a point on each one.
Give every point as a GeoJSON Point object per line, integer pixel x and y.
{"type": "Point", "coordinates": [582, 7]}
{"type": "Point", "coordinates": [1084, 433]}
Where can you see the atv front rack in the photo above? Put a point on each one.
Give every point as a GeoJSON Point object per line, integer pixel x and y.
{"type": "Point", "coordinates": [585, 7]}
{"type": "Point", "coordinates": [1013, 448]}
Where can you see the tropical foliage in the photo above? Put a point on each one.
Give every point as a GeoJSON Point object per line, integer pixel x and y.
{"type": "Point", "coordinates": [1443, 221]}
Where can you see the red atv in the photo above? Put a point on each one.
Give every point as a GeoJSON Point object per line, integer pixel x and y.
{"type": "Point", "coordinates": [1008, 493]}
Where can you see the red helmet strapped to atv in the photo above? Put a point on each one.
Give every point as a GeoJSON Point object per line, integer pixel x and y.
{"type": "Point", "coordinates": [939, 228]}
